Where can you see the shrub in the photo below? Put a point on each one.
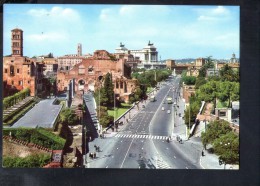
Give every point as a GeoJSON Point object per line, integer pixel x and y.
{"type": "Point", "coordinates": [38, 160]}
{"type": "Point", "coordinates": [38, 136]}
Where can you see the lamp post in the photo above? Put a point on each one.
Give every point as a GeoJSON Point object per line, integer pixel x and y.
{"type": "Point", "coordinates": [189, 117]}
{"type": "Point", "coordinates": [114, 109]}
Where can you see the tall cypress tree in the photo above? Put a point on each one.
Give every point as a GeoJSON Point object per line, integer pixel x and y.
{"type": "Point", "coordinates": [109, 89]}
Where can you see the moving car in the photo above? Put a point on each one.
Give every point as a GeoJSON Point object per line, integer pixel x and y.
{"type": "Point", "coordinates": [162, 108]}
{"type": "Point", "coordinates": [168, 111]}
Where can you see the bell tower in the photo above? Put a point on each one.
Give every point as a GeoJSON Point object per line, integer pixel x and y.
{"type": "Point", "coordinates": [79, 49]}
{"type": "Point", "coordinates": [17, 42]}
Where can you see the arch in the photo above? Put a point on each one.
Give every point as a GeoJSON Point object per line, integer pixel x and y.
{"type": "Point", "coordinates": [91, 85]}
{"type": "Point", "coordinates": [81, 84]}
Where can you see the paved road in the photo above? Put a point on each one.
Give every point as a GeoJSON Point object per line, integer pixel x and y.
{"type": "Point", "coordinates": [142, 143]}
{"type": "Point", "coordinates": [42, 114]}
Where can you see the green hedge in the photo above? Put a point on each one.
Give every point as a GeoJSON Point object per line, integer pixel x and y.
{"type": "Point", "coordinates": [12, 100]}
{"type": "Point", "coordinates": [38, 160]}
{"type": "Point", "coordinates": [15, 115]}
{"type": "Point", "coordinates": [38, 136]}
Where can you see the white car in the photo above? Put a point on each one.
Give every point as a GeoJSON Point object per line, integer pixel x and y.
{"type": "Point", "coordinates": [162, 108]}
{"type": "Point", "coordinates": [168, 111]}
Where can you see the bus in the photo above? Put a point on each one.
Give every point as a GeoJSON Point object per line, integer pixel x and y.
{"type": "Point", "coordinates": [152, 98]}
{"type": "Point", "coordinates": [169, 100]}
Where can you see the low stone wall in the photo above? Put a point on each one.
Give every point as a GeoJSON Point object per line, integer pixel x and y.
{"type": "Point", "coordinates": [30, 145]}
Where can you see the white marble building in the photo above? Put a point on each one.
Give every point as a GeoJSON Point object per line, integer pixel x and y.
{"type": "Point", "coordinates": [146, 55]}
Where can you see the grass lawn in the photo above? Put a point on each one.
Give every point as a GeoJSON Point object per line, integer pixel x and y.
{"type": "Point", "coordinates": [222, 104]}
{"type": "Point", "coordinates": [119, 111]}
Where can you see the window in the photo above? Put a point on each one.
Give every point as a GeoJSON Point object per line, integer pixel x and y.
{"type": "Point", "coordinates": [28, 82]}
{"type": "Point", "coordinates": [18, 70]}
{"type": "Point", "coordinates": [81, 69]}
{"type": "Point", "coordinates": [121, 85]}
{"type": "Point", "coordinates": [12, 82]}
{"type": "Point", "coordinates": [11, 70]}
{"type": "Point", "coordinates": [5, 70]}
{"type": "Point", "coordinates": [146, 57]}
{"type": "Point", "coordinates": [21, 83]}
{"type": "Point", "coordinates": [28, 72]}
{"type": "Point", "coordinates": [125, 90]}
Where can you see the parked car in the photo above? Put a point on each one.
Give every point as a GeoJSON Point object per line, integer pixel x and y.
{"type": "Point", "coordinates": [168, 111]}
{"type": "Point", "coordinates": [162, 108]}
{"type": "Point", "coordinates": [143, 106]}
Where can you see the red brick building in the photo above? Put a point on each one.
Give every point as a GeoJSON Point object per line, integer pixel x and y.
{"type": "Point", "coordinates": [87, 74]}
{"type": "Point", "coordinates": [19, 72]}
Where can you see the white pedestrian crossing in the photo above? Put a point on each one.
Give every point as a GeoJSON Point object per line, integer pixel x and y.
{"type": "Point", "coordinates": [140, 136]}
{"type": "Point", "coordinates": [162, 165]}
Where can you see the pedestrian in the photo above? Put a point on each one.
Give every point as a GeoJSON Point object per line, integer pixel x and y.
{"type": "Point", "coordinates": [202, 153]}
{"type": "Point", "coordinates": [94, 155]}
{"type": "Point", "coordinates": [180, 141]}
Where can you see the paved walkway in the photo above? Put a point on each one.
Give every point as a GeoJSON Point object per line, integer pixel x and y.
{"type": "Point", "coordinates": [43, 114]}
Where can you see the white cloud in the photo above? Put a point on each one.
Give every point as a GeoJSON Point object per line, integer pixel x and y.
{"type": "Point", "coordinates": [220, 10]}
{"type": "Point", "coordinates": [56, 13]}
{"type": "Point", "coordinates": [213, 14]}
{"type": "Point", "coordinates": [47, 37]}
{"type": "Point", "coordinates": [207, 18]}
{"type": "Point", "coordinates": [106, 14]}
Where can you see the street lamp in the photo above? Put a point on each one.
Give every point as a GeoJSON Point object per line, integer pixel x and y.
{"type": "Point", "coordinates": [189, 116]}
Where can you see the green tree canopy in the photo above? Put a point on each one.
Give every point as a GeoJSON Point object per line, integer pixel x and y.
{"type": "Point", "coordinates": [68, 116]}
{"type": "Point", "coordinates": [228, 74]}
{"type": "Point", "coordinates": [209, 64]}
{"type": "Point", "coordinates": [189, 80]}
{"type": "Point", "coordinates": [227, 147]}
{"type": "Point", "coordinates": [214, 130]}
{"type": "Point", "coordinates": [200, 81]}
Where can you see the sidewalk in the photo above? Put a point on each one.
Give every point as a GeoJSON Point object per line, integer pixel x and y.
{"type": "Point", "coordinates": [211, 161]}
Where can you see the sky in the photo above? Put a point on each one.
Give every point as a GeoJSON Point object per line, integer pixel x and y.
{"type": "Point", "coordinates": [176, 31]}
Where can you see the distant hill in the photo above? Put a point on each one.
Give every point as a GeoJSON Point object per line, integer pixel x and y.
{"type": "Point", "coordinates": [186, 60]}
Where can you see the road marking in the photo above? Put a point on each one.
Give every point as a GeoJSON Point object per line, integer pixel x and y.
{"type": "Point", "coordinates": [186, 167]}
{"type": "Point", "coordinates": [106, 167]}
{"type": "Point", "coordinates": [174, 157]}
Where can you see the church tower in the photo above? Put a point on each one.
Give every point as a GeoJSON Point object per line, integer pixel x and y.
{"type": "Point", "coordinates": [79, 49]}
{"type": "Point", "coordinates": [17, 42]}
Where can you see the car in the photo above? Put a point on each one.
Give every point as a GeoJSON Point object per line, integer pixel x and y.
{"type": "Point", "coordinates": [168, 111]}
{"type": "Point", "coordinates": [143, 106]}
{"type": "Point", "coordinates": [162, 108]}
{"type": "Point", "coordinates": [179, 114]}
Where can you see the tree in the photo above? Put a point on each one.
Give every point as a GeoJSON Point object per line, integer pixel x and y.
{"type": "Point", "coordinates": [192, 110]}
{"type": "Point", "coordinates": [189, 80]}
{"type": "Point", "coordinates": [68, 116]}
{"type": "Point", "coordinates": [227, 74]}
{"type": "Point", "coordinates": [208, 91]}
{"type": "Point", "coordinates": [227, 147]}
{"type": "Point", "coordinates": [104, 118]}
{"type": "Point", "coordinates": [209, 64]}
{"type": "Point", "coordinates": [214, 130]}
{"type": "Point", "coordinates": [108, 90]}
{"type": "Point", "coordinates": [200, 81]}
